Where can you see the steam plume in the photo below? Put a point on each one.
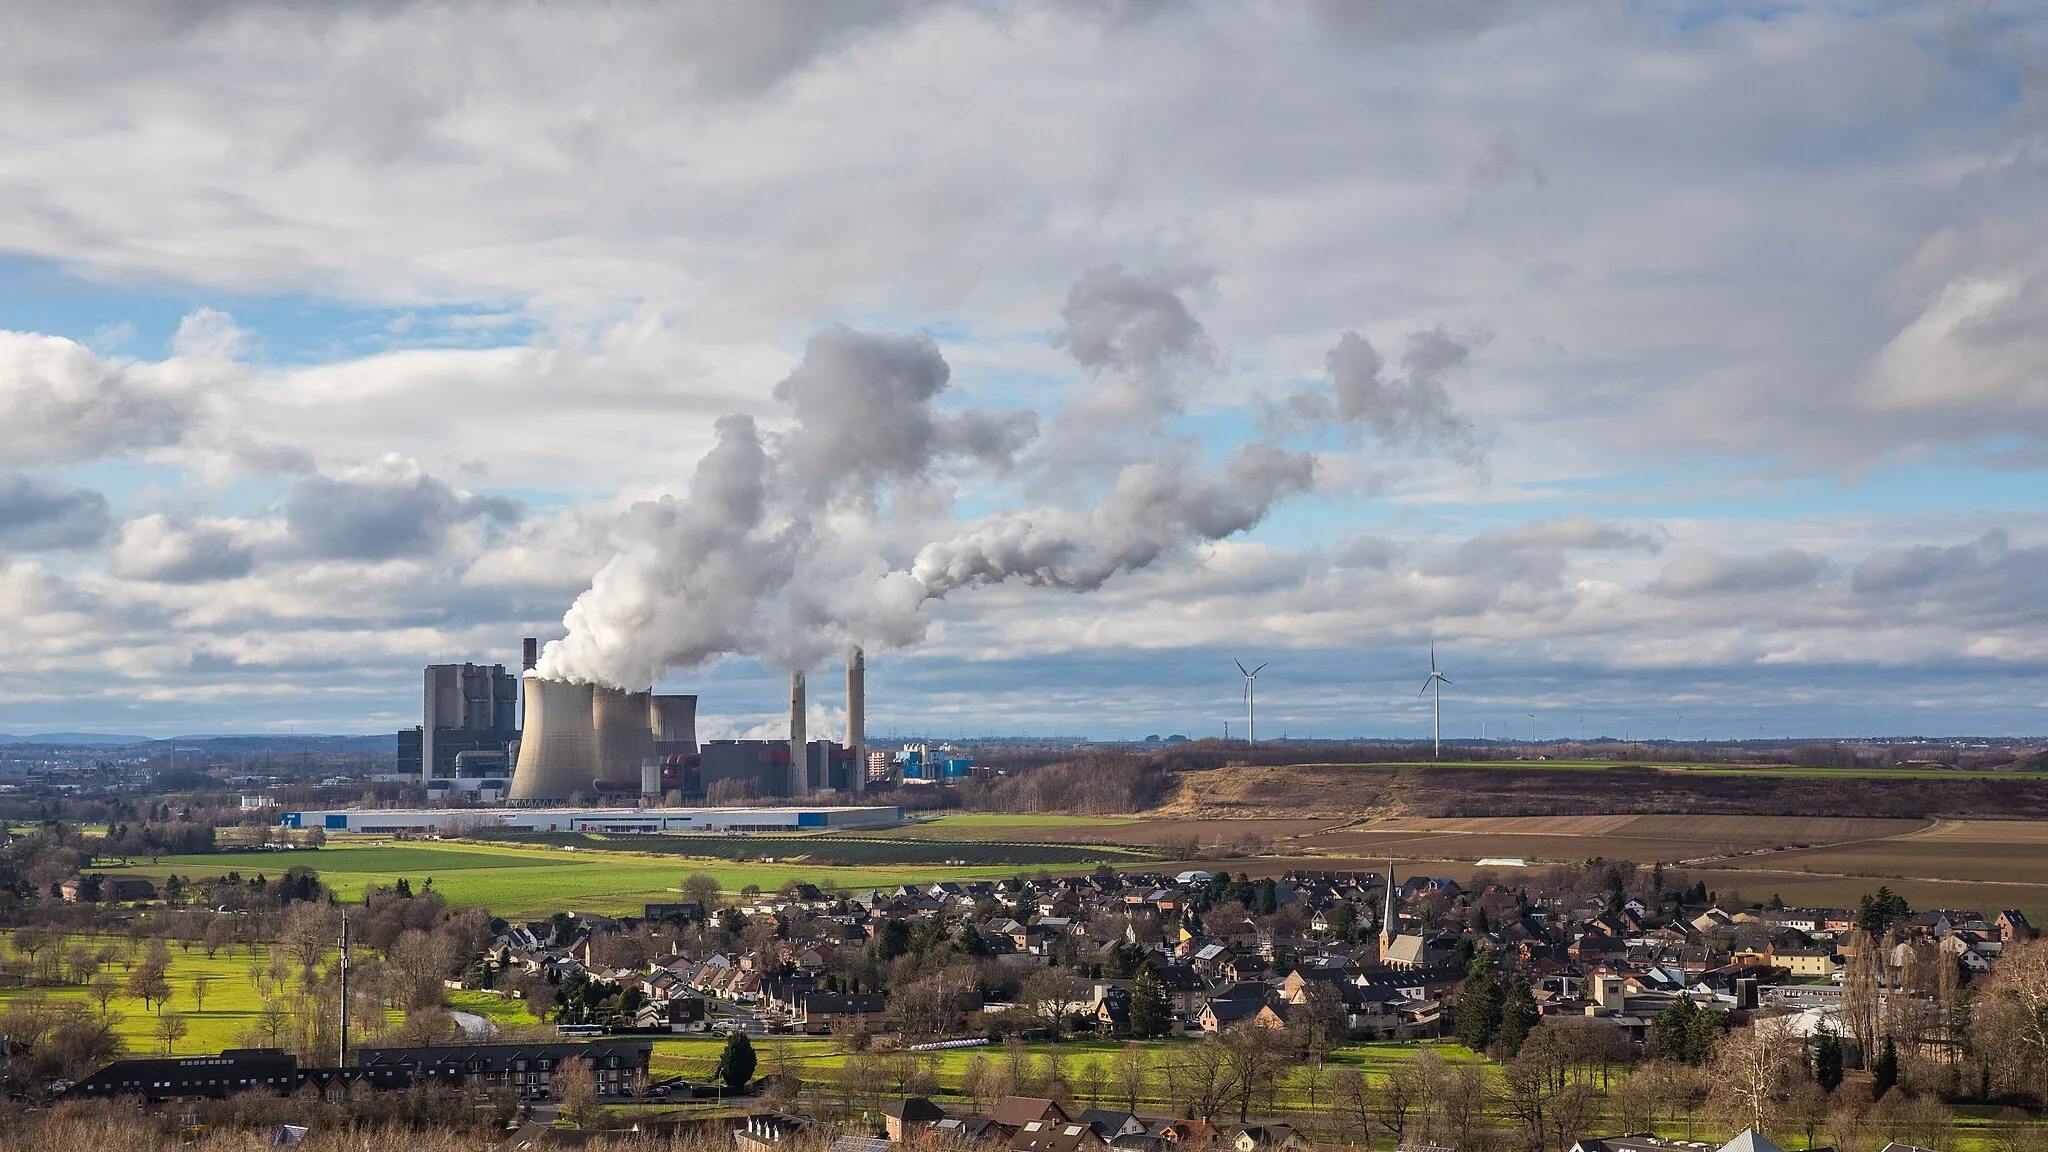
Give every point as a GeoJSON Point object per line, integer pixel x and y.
{"type": "Point", "coordinates": [793, 545]}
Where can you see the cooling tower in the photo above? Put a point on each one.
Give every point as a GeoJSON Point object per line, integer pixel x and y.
{"type": "Point", "coordinates": [558, 749]}
{"type": "Point", "coordinates": [674, 721]}
{"type": "Point", "coordinates": [799, 740]}
{"type": "Point", "coordinates": [856, 719]}
{"type": "Point", "coordinates": [623, 739]}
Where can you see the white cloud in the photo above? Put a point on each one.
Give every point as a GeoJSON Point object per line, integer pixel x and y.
{"type": "Point", "coordinates": [1809, 244]}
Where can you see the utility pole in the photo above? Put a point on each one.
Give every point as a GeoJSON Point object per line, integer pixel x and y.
{"type": "Point", "coordinates": [342, 1059]}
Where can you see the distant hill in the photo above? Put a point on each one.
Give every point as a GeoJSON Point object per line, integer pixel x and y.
{"type": "Point", "coordinates": [227, 743]}
{"type": "Point", "coordinates": [74, 739]}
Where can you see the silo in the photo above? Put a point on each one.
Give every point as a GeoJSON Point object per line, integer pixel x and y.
{"type": "Point", "coordinates": [674, 722]}
{"type": "Point", "coordinates": [623, 738]}
{"type": "Point", "coordinates": [558, 749]}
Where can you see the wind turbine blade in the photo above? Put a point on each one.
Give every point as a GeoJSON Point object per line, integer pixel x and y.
{"type": "Point", "coordinates": [1260, 668]}
{"type": "Point", "coordinates": [1443, 678]}
{"type": "Point", "coordinates": [1240, 667]}
{"type": "Point", "coordinates": [1425, 686]}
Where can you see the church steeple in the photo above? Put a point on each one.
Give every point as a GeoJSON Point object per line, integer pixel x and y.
{"type": "Point", "coordinates": [1387, 920]}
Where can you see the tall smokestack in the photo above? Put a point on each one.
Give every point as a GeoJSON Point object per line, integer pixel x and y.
{"type": "Point", "coordinates": [799, 739]}
{"type": "Point", "coordinates": [529, 654]}
{"type": "Point", "coordinates": [857, 720]}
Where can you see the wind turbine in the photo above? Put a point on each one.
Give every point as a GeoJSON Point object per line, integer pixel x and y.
{"type": "Point", "coordinates": [1435, 683]}
{"type": "Point", "coordinates": [1251, 699]}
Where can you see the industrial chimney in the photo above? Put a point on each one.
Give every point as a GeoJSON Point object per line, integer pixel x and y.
{"type": "Point", "coordinates": [856, 720]}
{"type": "Point", "coordinates": [799, 739]}
{"type": "Point", "coordinates": [529, 654]}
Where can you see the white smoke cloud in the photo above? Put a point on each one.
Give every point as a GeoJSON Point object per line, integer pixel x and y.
{"type": "Point", "coordinates": [792, 545]}
{"type": "Point", "coordinates": [1156, 507]}
{"type": "Point", "coordinates": [775, 551]}
{"type": "Point", "coordinates": [1412, 408]}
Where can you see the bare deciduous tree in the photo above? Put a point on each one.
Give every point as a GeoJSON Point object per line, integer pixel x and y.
{"type": "Point", "coordinates": [1754, 1071]}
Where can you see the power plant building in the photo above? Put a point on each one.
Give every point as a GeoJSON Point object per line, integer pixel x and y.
{"type": "Point", "coordinates": [586, 740]}
{"type": "Point", "coordinates": [589, 742]}
{"type": "Point", "coordinates": [534, 741]}
{"type": "Point", "coordinates": [466, 708]}
{"type": "Point", "coordinates": [617, 821]}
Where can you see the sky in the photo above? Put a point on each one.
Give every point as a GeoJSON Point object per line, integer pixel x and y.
{"type": "Point", "coordinates": [1676, 370]}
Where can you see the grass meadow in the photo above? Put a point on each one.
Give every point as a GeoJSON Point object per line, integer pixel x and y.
{"type": "Point", "coordinates": [536, 881]}
{"type": "Point", "coordinates": [232, 999]}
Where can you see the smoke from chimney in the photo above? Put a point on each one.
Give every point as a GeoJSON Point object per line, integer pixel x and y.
{"type": "Point", "coordinates": [832, 531]}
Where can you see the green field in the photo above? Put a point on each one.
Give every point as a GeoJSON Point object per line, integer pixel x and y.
{"type": "Point", "coordinates": [513, 881]}
{"type": "Point", "coordinates": [816, 1059]}
{"type": "Point", "coordinates": [231, 1000]}
{"type": "Point", "coordinates": [847, 850]}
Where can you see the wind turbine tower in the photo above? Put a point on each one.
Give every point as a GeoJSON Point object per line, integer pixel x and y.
{"type": "Point", "coordinates": [1435, 684]}
{"type": "Point", "coordinates": [1251, 700]}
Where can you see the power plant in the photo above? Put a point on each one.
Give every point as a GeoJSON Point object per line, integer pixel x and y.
{"type": "Point", "coordinates": [584, 742]}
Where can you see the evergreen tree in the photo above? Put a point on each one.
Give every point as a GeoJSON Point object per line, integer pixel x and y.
{"type": "Point", "coordinates": [1151, 1008]}
{"type": "Point", "coordinates": [1885, 1072]}
{"type": "Point", "coordinates": [1709, 1025]}
{"type": "Point", "coordinates": [1517, 1015]}
{"type": "Point", "coordinates": [1479, 1005]}
{"type": "Point", "coordinates": [1827, 1060]}
{"type": "Point", "coordinates": [971, 943]}
{"type": "Point", "coordinates": [1881, 910]}
{"type": "Point", "coordinates": [1343, 921]}
{"type": "Point", "coordinates": [736, 1062]}
{"type": "Point", "coordinates": [893, 942]}
{"type": "Point", "coordinates": [1269, 897]}
{"type": "Point", "coordinates": [1687, 1033]}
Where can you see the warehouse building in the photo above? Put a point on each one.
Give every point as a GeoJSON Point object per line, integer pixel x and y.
{"type": "Point", "coordinates": [618, 821]}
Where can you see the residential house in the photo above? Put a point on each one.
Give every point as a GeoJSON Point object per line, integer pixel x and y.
{"type": "Point", "coordinates": [1267, 1138]}
{"type": "Point", "coordinates": [680, 1014]}
{"type": "Point", "coordinates": [1014, 1112]}
{"type": "Point", "coordinates": [911, 1118]}
{"type": "Point", "coordinates": [1187, 1133]}
{"type": "Point", "coordinates": [969, 1131]}
{"type": "Point", "coordinates": [1217, 1015]}
{"type": "Point", "coordinates": [1111, 1124]}
{"type": "Point", "coordinates": [1055, 1136]}
{"type": "Point", "coordinates": [832, 1013]}
{"type": "Point", "coordinates": [766, 1131]}
{"type": "Point", "coordinates": [1805, 962]}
